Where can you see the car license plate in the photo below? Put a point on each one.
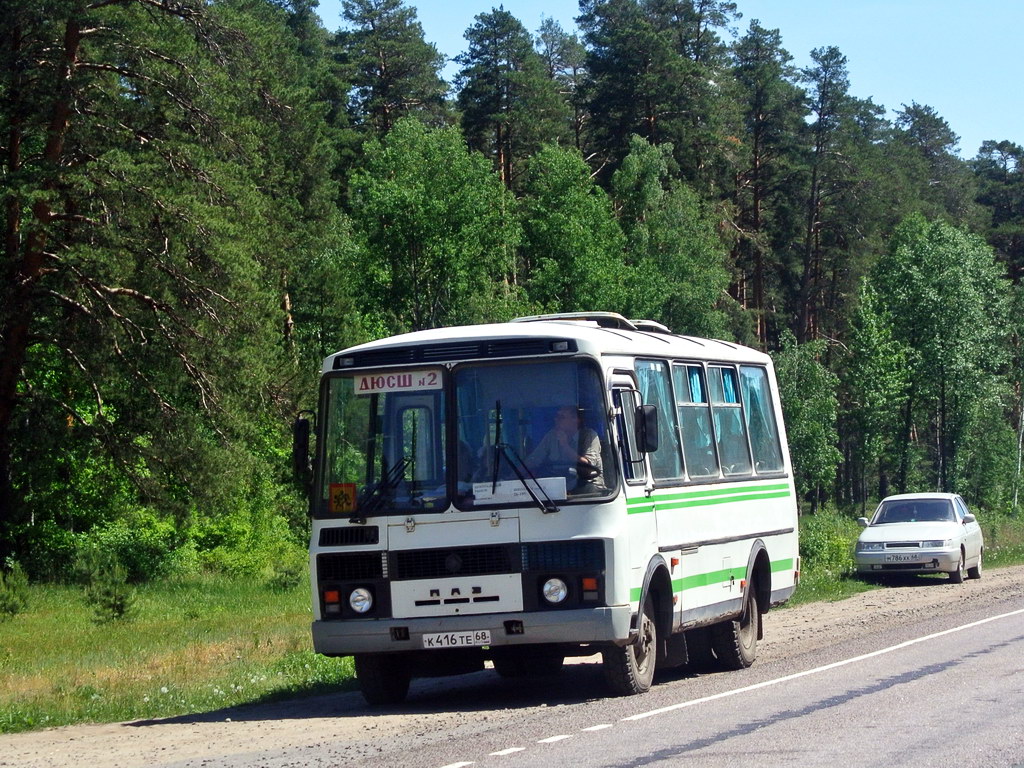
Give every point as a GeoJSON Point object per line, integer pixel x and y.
{"type": "Point", "coordinates": [901, 558]}
{"type": "Point", "coordinates": [457, 639]}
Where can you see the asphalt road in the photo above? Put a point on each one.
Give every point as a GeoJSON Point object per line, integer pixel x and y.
{"type": "Point", "coordinates": [923, 673]}
{"type": "Point", "coordinates": [947, 692]}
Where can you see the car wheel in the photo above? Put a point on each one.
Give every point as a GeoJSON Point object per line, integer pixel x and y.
{"type": "Point", "coordinates": [975, 572]}
{"type": "Point", "coordinates": [957, 576]}
{"type": "Point", "coordinates": [630, 669]}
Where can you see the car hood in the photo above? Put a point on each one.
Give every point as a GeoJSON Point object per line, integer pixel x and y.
{"type": "Point", "coordinates": [911, 531]}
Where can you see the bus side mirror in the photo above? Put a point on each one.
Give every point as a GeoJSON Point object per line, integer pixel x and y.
{"type": "Point", "coordinates": [647, 428]}
{"type": "Point", "coordinates": [300, 449]}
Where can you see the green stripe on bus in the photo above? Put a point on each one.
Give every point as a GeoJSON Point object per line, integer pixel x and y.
{"type": "Point", "coordinates": [711, 492]}
{"type": "Point", "coordinates": [666, 502]}
{"type": "Point", "coordinates": [713, 578]}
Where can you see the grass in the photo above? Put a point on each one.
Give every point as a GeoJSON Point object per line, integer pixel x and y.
{"type": "Point", "coordinates": [204, 644]}
{"type": "Point", "coordinates": [193, 646]}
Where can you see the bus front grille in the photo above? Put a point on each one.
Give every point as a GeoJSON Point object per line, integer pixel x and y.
{"type": "Point", "coordinates": [454, 561]}
{"type": "Point", "coordinates": [581, 555]}
{"type": "Point", "coordinates": [354, 566]}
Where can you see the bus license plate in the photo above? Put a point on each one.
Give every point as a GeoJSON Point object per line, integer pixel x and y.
{"type": "Point", "coordinates": [470, 638]}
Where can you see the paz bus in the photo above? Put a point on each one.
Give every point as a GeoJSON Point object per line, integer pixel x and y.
{"type": "Point", "coordinates": [554, 486]}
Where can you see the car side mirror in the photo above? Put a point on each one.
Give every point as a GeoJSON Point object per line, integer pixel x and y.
{"type": "Point", "coordinates": [862, 522]}
{"type": "Point", "coordinates": [969, 518]}
{"type": "Point", "coordinates": [647, 428]}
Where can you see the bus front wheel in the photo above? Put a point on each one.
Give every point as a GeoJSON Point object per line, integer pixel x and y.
{"type": "Point", "coordinates": [630, 669]}
{"type": "Point", "coordinates": [383, 677]}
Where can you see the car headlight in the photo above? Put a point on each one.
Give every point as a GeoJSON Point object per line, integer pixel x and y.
{"type": "Point", "coordinates": [361, 600]}
{"type": "Point", "coordinates": [555, 591]}
{"type": "Point", "coordinates": [870, 546]}
{"type": "Point", "coordinates": [937, 544]}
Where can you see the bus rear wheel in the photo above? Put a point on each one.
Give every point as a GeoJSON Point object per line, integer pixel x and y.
{"type": "Point", "coordinates": [735, 642]}
{"type": "Point", "coordinates": [383, 677]}
{"type": "Point", "coordinates": [629, 669]}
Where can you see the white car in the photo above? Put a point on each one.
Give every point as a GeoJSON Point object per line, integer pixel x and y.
{"type": "Point", "coordinates": [921, 533]}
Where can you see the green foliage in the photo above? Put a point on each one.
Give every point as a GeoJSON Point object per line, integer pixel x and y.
{"type": "Point", "coordinates": [674, 264]}
{"type": "Point", "coordinates": [510, 105]}
{"type": "Point", "coordinates": [395, 72]}
{"type": "Point", "coordinates": [572, 246]}
{"type": "Point", "coordinates": [106, 584]}
{"type": "Point", "coordinates": [13, 591]}
{"type": "Point", "coordinates": [808, 393]}
{"type": "Point", "coordinates": [140, 543]}
{"type": "Point", "coordinates": [1004, 537]}
{"type": "Point", "coordinates": [827, 539]}
{"type": "Point", "coordinates": [441, 228]}
{"type": "Point", "coordinates": [948, 306]}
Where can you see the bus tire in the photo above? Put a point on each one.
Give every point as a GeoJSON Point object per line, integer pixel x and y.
{"type": "Point", "coordinates": [629, 669]}
{"type": "Point", "coordinates": [735, 641]}
{"type": "Point", "coordinates": [383, 677]}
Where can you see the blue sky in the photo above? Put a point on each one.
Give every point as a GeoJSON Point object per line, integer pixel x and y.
{"type": "Point", "coordinates": [963, 59]}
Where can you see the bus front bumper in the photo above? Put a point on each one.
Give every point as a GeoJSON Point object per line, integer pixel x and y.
{"type": "Point", "coordinates": [343, 637]}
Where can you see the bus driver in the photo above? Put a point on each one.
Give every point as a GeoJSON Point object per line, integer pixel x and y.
{"type": "Point", "coordinates": [570, 444]}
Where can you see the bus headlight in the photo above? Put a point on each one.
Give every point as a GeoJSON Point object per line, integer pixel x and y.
{"type": "Point", "coordinates": [555, 591]}
{"type": "Point", "coordinates": [361, 600]}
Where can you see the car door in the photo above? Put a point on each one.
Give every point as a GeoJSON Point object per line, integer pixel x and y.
{"type": "Point", "coordinates": [972, 530]}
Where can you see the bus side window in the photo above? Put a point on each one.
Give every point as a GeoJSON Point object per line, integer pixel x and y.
{"type": "Point", "coordinates": [632, 460]}
{"type": "Point", "coordinates": [695, 420]}
{"type": "Point", "coordinates": [730, 428]}
{"type": "Point", "coordinates": [656, 390]}
{"type": "Point", "coordinates": [760, 413]}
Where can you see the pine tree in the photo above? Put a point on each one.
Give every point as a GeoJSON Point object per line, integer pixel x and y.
{"type": "Point", "coordinates": [510, 107]}
{"type": "Point", "coordinates": [394, 71]}
{"type": "Point", "coordinates": [146, 209]}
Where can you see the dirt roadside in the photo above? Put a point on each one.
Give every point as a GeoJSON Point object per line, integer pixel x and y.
{"type": "Point", "coordinates": [343, 725]}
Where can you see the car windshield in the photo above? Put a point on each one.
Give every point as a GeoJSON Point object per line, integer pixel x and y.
{"type": "Point", "coordinates": [914, 511]}
{"type": "Point", "coordinates": [526, 433]}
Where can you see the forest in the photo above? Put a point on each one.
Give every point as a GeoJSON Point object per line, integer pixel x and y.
{"type": "Point", "coordinates": [203, 198]}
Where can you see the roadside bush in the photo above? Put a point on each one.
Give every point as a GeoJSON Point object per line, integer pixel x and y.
{"type": "Point", "coordinates": [1004, 538]}
{"type": "Point", "coordinates": [289, 570]}
{"type": "Point", "coordinates": [13, 592]}
{"type": "Point", "coordinates": [827, 539]}
{"type": "Point", "coordinates": [141, 543]}
{"type": "Point", "coordinates": [49, 551]}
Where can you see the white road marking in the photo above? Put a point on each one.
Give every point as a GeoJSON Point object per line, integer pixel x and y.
{"type": "Point", "coordinates": [553, 739]}
{"type": "Point", "coordinates": [599, 727]}
{"type": "Point", "coordinates": [456, 765]}
{"type": "Point", "coordinates": [509, 751]}
{"type": "Point", "coordinates": [816, 670]}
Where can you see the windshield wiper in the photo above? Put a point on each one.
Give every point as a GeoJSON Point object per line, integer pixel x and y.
{"type": "Point", "coordinates": [372, 499]}
{"type": "Point", "coordinates": [545, 504]}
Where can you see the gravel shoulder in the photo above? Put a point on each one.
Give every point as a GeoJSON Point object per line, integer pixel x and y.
{"type": "Point", "coordinates": [341, 729]}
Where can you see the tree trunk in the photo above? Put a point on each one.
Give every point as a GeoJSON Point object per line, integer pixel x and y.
{"type": "Point", "coordinates": [26, 260]}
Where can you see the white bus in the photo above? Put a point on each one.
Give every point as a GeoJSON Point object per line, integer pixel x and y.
{"type": "Point", "coordinates": [555, 486]}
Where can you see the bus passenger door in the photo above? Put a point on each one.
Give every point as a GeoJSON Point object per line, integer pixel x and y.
{"type": "Point", "coordinates": [641, 525]}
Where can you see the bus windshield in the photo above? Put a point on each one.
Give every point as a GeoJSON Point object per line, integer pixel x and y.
{"type": "Point", "coordinates": [389, 445]}
{"type": "Point", "coordinates": [545, 421]}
